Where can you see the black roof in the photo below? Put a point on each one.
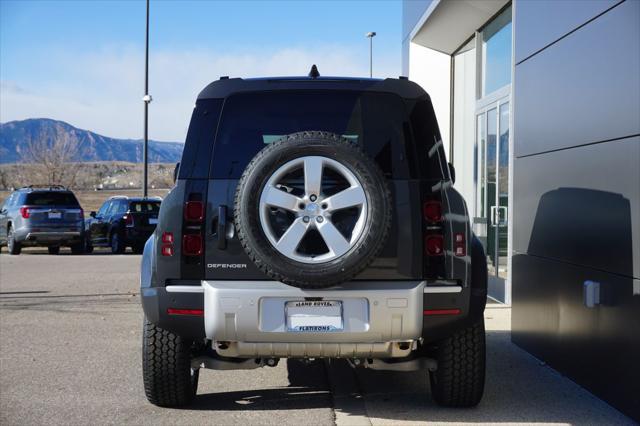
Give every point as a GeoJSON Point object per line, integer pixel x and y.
{"type": "Point", "coordinates": [228, 86]}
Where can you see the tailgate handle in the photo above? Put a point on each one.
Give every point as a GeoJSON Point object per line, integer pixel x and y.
{"type": "Point", "coordinates": [222, 227]}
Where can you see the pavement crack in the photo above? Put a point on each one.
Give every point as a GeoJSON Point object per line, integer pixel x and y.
{"type": "Point", "coordinates": [348, 400]}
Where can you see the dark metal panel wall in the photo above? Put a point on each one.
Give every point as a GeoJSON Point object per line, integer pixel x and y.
{"type": "Point", "coordinates": [597, 348]}
{"type": "Point", "coordinates": [583, 89]}
{"type": "Point", "coordinates": [545, 21]}
{"type": "Point", "coordinates": [592, 229]}
{"type": "Point", "coordinates": [577, 195]}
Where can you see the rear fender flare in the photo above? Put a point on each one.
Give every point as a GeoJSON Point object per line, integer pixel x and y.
{"type": "Point", "coordinates": [479, 279]}
{"type": "Point", "coordinates": [147, 266]}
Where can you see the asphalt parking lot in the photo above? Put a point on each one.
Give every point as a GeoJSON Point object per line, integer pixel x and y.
{"type": "Point", "coordinates": [70, 331]}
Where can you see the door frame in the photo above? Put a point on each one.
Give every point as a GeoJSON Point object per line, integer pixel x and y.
{"type": "Point", "coordinates": [498, 288]}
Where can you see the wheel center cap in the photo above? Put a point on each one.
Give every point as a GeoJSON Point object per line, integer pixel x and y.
{"type": "Point", "coordinates": [312, 207]}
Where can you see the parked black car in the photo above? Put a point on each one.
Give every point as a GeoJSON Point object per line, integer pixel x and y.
{"type": "Point", "coordinates": [45, 216]}
{"type": "Point", "coordinates": [122, 222]}
{"type": "Point", "coordinates": [314, 218]}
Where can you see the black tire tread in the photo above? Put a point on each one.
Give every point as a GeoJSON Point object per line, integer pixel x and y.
{"type": "Point", "coordinates": [459, 378]}
{"type": "Point", "coordinates": [166, 366]}
{"type": "Point", "coordinates": [120, 248]}
{"type": "Point", "coordinates": [14, 248]}
{"type": "Point", "coordinates": [372, 244]}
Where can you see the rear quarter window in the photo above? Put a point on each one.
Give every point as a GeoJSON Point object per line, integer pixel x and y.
{"type": "Point", "coordinates": [200, 137]}
{"type": "Point", "coordinates": [51, 199]}
{"type": "Point", "coordinates": [428, 147]}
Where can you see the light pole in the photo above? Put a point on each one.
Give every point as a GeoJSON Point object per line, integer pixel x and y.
{"type": "Point", "coordinates": [146, 99]}
{"type": "Point", "coordinates": [370, 36]}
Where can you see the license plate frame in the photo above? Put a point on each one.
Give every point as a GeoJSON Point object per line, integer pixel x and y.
{"type": "Point", "coordinates": [54, 215]}
{"type": "Point", "coordinates": [317, 316]}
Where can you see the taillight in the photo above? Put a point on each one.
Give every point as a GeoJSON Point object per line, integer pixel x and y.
{"type": "Point", "coordinates": [167, 250]}
{"type": "Point", "coordinates": [192, 244]}
{"type": "Point", "coordinates": [460, 245]}
{"type": "Point", "coordinates": [24, 211]}
{"type": "Point", "coordinates": [167, 244]}
{"type": "Point", "coordinates": [194, 211]}
{"type": "Point", "coordinates": [432, 211]}
{"type": "Point", "coordinates": [434, 245]}
{"type": "Point", "coordinates": [128, 220]}
{"type": "Point", "coordinates": [193, 228]}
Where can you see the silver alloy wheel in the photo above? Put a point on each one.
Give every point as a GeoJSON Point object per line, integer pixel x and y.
{"type": "Point", "coordinates": [313, 210]}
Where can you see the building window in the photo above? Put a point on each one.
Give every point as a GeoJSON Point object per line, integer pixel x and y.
{"type": "Point", "coordinates": [496, 53]}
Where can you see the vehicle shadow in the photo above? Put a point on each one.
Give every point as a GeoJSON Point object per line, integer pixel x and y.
{"type": "Point", "coordinates": [581, 242]}
{"type": "Point", "coordinates": [308, 389]}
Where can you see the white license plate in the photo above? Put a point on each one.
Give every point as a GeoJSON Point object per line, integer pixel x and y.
{"type": "Point", "coordinates": [153, 221]}
{"type": "Point", "coordinates": [314, 316]}
{"type": "Point", "coordinates": [55, 215]}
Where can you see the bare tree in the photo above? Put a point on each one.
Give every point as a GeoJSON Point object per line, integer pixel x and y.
{"type": "Point", "coordinates": [5, 178]}
{"type": "Point", "coordinates": [53, 160]}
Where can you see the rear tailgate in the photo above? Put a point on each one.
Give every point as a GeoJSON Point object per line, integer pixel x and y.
{"type": "Point", "coordinates": [224, 256]}
{"type": "Point", "coordinates": [400, 259]}
{"type": "Point", "coordinates": [56, 216]}
{"type": "Point", "coordinates": [54, 210]}
{"type": "Point", "coordinates": [144, 214]}
{"type": "Point", "coordinates": [376, 121]}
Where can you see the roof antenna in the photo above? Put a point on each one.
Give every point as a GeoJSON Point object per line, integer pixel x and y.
{"type": "Point", "coordinates": [314, 73]}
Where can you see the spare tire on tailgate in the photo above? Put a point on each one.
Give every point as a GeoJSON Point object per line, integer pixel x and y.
{"type": "Point", "coordinates": [312, 209]}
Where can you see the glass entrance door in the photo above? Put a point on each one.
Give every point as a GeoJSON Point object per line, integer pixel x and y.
{"type": "Point", "coordinates": [492, 190]}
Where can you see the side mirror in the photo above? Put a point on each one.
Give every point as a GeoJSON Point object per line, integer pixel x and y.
{"type": "Point", "coordinates": [452, 173]}
{"type": "Point", "coordinates": [92, 214]}
{"type": "Point", "coordinates": [175, 172]}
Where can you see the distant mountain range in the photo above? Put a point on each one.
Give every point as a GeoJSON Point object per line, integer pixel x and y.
{"type": "Point", "coordinates": [14, 136]}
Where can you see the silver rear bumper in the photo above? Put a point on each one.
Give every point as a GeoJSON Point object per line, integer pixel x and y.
{"type": "Point", "coordinates": [246, 319]}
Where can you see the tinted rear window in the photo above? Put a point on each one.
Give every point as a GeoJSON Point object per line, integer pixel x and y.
{"type": "Point", "coordinates": [51, 199]}
{"type": "Point", "coordinates": [376, 121]}
{"type": "Point", "coordinates": [144, 207]}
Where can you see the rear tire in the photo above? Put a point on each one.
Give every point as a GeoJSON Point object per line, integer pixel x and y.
{"type": "Point", "coordinates": [138, 248]}
{"type": "Point", "coordinates": [13, 246]}
{"type": "Point", "coordinates": [459, 378]}
{"type": "Point", "coordinates": [88, 248]}
{"type": "Point", "coordinates": [53, 250]}
{"type": "Point", "coordinates": [116, 244]}
{"type": "Point", "coordinates": [169, 380]}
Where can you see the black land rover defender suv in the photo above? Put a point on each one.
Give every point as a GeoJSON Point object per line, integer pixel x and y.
{"type": "Point", "coordinates": [314, 218]}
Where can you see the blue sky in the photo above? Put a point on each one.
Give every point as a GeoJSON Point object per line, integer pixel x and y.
{"type": "Point", "coordinates": [82, 61]}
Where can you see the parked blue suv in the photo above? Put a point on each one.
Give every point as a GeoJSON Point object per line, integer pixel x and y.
{"type": "Point", "coordinates": [44, 216]}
